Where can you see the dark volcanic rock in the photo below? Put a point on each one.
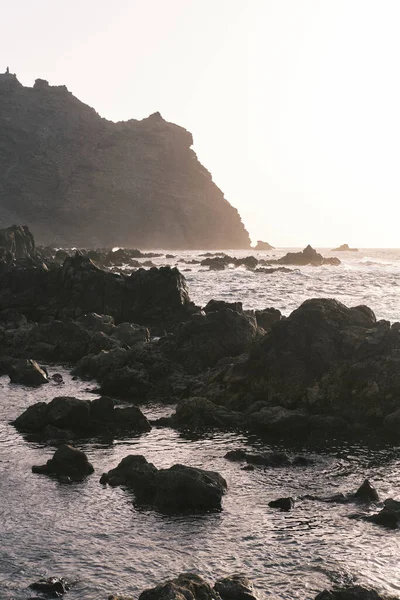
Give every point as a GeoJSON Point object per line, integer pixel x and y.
{"type": "Point", "coordinates": [157, 296]}
{"type": "Point", "coordinates": [27, 372]}
{"type": "Point", "coordinates": [179, 488]}
{"type": "Point", "coordinates": [221, 330]}
{"type": "Point", "coordinates": [53, 586]}
{"type": "Point", "coordinates": [80, 417]}
{"type": "Point", "coordinates": [284, 504]}
{"type": "Point", "coordinates": [201, 412]}
{"type": "Point", "coordinates": [67, 461]}
{"type": "Point", "coordinates": [366, 493]}
{"type": "Point", "coordinates": [18, 241]}
{"type": "Point", "coordinates": [130, 177]}
{"type": "Point", "coordinates": [186, 586]}
{"type": "Point", "coordinates": [235, 587]}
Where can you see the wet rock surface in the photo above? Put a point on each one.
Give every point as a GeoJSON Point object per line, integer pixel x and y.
{"type": "Point", "coordinates": [80, 417]}
{"type": "Point", "coordinates": [66, 462]}
{"type": "Point", "coordinates": [179, 488]}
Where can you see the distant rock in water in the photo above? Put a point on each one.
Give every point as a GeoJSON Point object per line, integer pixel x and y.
{"type": "Point", "coordinates": [308, 256]}
{"type": "Point", "coordinates": [345, 248]}
{"type": "Point", "coordinates": [263, 246]}
{"type": "Point", "coordinates": [79, 180]}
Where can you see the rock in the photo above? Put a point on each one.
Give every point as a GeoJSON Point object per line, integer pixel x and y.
{"type": "Point", "coordinates": [345, 248]}
{"type": "Point", "coordinates": [308, 256]}
{"type": "Point", "coordinates": [179, 488]}
{"type": "Point", "coordinates": [236, 455]}
{"type": "Point", "coordinates": [284, 504]}
{"type": "Point", "coordinates": [235, 587]}
{"type": "Point", "coordinates": [154, 296]}
{"type": "Point", "coordinates": [389, 516]}
{"type": "Point", "coordinates": [68, 461]}
{"type": "Point", "coordinates": [367, 493]}
{"type": "Point", "coordinates": [267, 317]}
{"type": "Point", "coordinates": [186, 586]}
{"type": "Point", "coordinates": [123, 172]}
{"type": "Point", "coordinates": [27, 372]}
{"type": "Point", "coordinates": [53, 586]}
{"type": "Point", "coordinates": [217, 333]}
{"type": "Point", "coordinates": [263, 246]}
{"type": "Point", "coordinates": [18, 241]}
{"type": "Point", "coordinates": [350, 593]}
{"type": "Point", "coordinates": [279, 420]}
{"type": "Point", "coordinates": [80, 417]}
{"type": "Point", "coordinates": [201, 412]}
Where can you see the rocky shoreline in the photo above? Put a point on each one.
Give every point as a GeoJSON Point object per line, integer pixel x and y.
{"type": "Point", "coordinates": [326, 371]}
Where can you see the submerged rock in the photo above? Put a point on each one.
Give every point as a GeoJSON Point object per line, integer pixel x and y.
{"type": "Point", "coordinates": [179, 488]}
{"type": "Point", "coordinates": [67, 461]}
{"type": "Point", "coordinates": [53, 586]}
{"type": "Point", "coordinates": [284, 504]}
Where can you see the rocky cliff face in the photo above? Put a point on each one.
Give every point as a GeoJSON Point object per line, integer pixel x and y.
{"type": "Point", "coordinates": [79, 180]}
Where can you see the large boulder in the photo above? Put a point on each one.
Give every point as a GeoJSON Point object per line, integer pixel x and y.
{"type": "Point", "coordinates": [235, 587]}
{"type": "Point", "coordinates": [179, 488]}
{"type": "Point", "coordinates": [67, 461]}
{"type": "Point", "coordinates": [220, 331]}
{"type": "Point", "coordinates": [81, 417]}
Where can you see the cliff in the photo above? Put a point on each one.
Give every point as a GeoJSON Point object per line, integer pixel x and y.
{"type": "Point", "coordinates": [77, 179]}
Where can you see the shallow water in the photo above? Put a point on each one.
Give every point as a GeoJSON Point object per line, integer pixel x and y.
{"type": "Point", "coordinates": [95, 536]}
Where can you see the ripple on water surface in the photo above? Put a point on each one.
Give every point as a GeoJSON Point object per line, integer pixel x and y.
{"type": "Point", "coordinates": [96, 536]}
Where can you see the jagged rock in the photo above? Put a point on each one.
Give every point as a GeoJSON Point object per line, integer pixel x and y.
{"type": "Point", "coordinates": [154, 296]}
{"type": "Point", "coordinates": [350, 593]}
{"type": "Point", "coordinates": [134, 176]}
{"type": "Point", "coordinates": [27, 372]}
{"type": "Point", "coordinates": [235, 587]}
{"type": "Point", "coordinates": [18, 241]}
{"type": "Point", "coordinates": [284, 504]}
{"type": "Point", "coordinates": [179, 488]}
{"type": "Point", "coordinates": [53, 586]}
{"type": "Point", "coordinates": [366, 493]}
{"type": "Point", "coordinates": [80, 417]}
{"type": "Point", "coordinates": [68, 461]}
{"type": "Point", "coordinates": [263, 246]}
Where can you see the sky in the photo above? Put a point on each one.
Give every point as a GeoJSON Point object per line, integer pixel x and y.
{"type": "Point", "coordinates": [294, 105]}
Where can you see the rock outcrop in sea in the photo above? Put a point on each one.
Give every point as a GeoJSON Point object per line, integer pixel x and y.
{"type": "Point", "coordinates": [79, 180]}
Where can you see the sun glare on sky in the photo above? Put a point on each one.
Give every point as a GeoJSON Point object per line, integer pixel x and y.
{"type": "Point", "coordinates": [293, 104]}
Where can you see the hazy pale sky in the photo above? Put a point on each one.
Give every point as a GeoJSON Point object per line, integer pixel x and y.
{"type": "Point", "coordinates": [294, 105]}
